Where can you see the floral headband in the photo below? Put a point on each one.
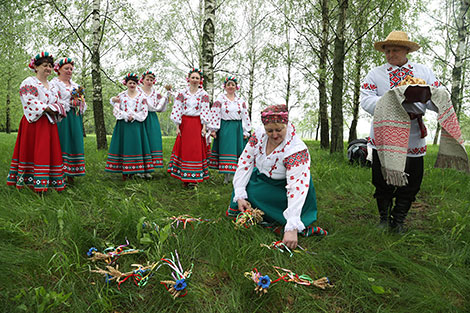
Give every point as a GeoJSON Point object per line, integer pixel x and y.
{"type": "Point", "coordinates": [232, 79]}
{"type": "Point", "coordinates": [196, 70]}
{"type": "Point", "coordinates": [43, 54]}
{"type": "Point", "coordinates": [275, 114]}
{"type": "Point", "coordinates": [141, 81]}
{"type": "Point", "coordinates": [131, 76]}
{"type": "Point", "coordinates": [62, 62]}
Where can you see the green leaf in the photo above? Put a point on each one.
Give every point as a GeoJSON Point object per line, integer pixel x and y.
{"type": "Point", "coordinates": [378, 289]}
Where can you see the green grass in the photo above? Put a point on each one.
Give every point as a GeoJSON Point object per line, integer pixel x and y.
{"type": "Point", "coordinates": [44, 240]}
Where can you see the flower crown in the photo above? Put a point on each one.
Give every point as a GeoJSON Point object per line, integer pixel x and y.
{"type": "Point", "coordinates": [141, 81]}
{"type": "Point", "coordinates": [62, 62]}
{"type": "Point", "coordinates": [196, 70]}
{"type": "Point", "coordinates": [130, 76]}
{"type": "Point", "coordinates": [233, 79]}
{"type": "Point", "coordinates": [43, 54]}
{"type": "Point", "coordinates": [275, 114]}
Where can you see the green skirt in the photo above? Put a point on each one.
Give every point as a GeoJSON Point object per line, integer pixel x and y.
{"type": "Point", "coordinates": [71, 141]}
{"type": "Point", "coordinates": [129, 152]}
{"type": "Point", "coordinates": [269, 195]}
{"type": "Point", "coordinates": [227, 147]}
{"type": "Point", "coordinates": [152, 125]}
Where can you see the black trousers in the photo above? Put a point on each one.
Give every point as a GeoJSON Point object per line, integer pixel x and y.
{"type": "Point", "coordinates": [414, 167]}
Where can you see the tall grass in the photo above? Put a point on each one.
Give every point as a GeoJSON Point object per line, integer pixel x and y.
{"type": "Point", "coordinates": [44, 240]}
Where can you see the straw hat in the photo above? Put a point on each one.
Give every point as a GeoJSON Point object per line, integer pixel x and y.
{"type": "Point", "coordinates": [396, 38]}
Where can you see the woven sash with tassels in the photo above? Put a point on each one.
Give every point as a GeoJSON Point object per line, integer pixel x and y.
{"type": "Point", "coordinates": [392, 130]}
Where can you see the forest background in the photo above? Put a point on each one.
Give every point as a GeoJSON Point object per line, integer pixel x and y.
{"type": "Point", "coordinates": [310, 55]}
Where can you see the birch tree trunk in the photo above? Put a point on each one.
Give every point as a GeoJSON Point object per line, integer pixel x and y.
{"type": "Point", "coordinates": [208, 34]}
{"type": "Point", "coordinates": [100, 128]}
{"type": "Point", "coordinates": [323, 103]}
{"type": "Point", "coordinates": [356, 91]}
{"type": "Point", "coordinates": [462, 33]}
{"type": "Point", "coordinates": [337, 88]}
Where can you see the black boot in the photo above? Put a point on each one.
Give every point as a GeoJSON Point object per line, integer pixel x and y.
{"type": "Point", "coordinates": [399, 213]}
{"type": "Point", "coordinates": [384, 205]}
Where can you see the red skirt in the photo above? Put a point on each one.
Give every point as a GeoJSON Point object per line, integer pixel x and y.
{"type": "Point", "coordinates": [188, 160]}
{"type": "Point", "coordinates": [37, 158]}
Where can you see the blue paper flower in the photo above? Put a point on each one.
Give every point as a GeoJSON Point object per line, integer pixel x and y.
{"type": "Point", "coordinates": [91, 251]}
{"type": "Point", "coordinates": [264, 282]}
{"type": "Point", "coordinates": [180, 284]}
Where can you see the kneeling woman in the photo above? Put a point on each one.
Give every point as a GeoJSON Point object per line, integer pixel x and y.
{"type": "Point", "coordinates": [129, 152]}
{"type": "Point", "coordinates": [274, 161]}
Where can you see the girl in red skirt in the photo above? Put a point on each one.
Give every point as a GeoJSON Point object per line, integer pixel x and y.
{"type": "Point", "coordinates": [191, 114]}
{"type": "Point", "coordinates": [37, 158]}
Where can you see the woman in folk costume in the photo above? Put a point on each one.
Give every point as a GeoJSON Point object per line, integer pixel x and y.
{"type": "Point", "coordinates": [191, 114]}
{"type": "Point", "coordinates": [230, 127]}
{"type": "Point", "coordinates": [37, 158]}
{"type": "Point", "coordinates": [129, 152]}
{"type": "Point", "coordinates": [273, 175]}
{"type": "Point", "coordinates": [70, 128]}
{"type": "Point", "coordinates": [156, 103]}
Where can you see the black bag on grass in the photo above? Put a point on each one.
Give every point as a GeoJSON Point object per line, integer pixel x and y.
{"type": "Point", "coordinates": [357, 152]}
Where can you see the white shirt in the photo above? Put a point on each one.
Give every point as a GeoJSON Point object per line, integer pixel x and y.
{"type": "Point", "coordinates": [35, 98]}
{"type": "Point", "coordinates": [191, 105]}
{"type": "Point", "coordinates": [136, 107]}
{"type": "Point", "coordinates": [383, 78]}
{"type": "Point", "coordinates": [65, 93]}
{"type": "Point", "coordinates": [227, 110]}
{"type": "Point", "coordinates": [155, 101]}
{"type": "Point", "coordinates": [290, 160]}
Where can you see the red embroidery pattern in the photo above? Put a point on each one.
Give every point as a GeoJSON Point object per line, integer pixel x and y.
{"type": "Point", "coordinates": [397, 75]}
{"type": "Point", "coordinates": [217, 104]}
{"type": "Point", "coordinates": [180, 97]}
{"type": "Point", "coordinates": [296, 159]}
{"type": "Point", "coordinates": [420, 150]}
{"type": "Point", "coordinates": [253, 141]}
{"type": "Point", "coordinates": [450, 123]}
{"type": "Point", "coordinates": [369, 86]}
{"type": "Point", "coordinates": [436, 84]}
{"type": "Point", "coordinates": [205, 98]}
{"type": "Point", "coordinates": [392, 136]}
{"type": "Point", "coordinates": [29, 89]}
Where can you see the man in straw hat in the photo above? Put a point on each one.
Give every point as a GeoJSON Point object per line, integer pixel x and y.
{"type": "Point", "coordinates": [377, 82]}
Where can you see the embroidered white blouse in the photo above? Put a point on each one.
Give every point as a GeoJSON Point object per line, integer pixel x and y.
{"type": "Point", "coordinates": [290, 160]}
{"type": "Point", "coordinates": [383, 78]}
{"type": "Point", "coordinates": [156, 102]}
{"type": "Point", "coordinates": [136, 107]}
{"type": "Point", "coordinates": [225, 109]}
{"type": "Point", "coordinates": [65, 93]}
{"type": "Point", "coordinates": [35, 98]}
{"type": "Point", "coordinates": [191, 105]}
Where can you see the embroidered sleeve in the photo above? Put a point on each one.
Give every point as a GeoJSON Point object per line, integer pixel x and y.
{"type": "Point", "coordinates": [33, 108]}
{"type": "Point", "coordinates": [119, 114]}
{"type": "Point", "coordinates": [298, 182]}
{"type": "Point", "coordinates": [369, 96]}
{"type": "Point", "coordinates": [177, 111]}
{"type": "Point", "coordinates": [215, 118]}
{"type": "Point", "coordinates": [246, 123]}
{"type": "Point", "coordinates": [246, 163]}
{"type": "Point", "coordinates": [162, 102]}
{"type": "Point", "coordinates": [205, 114]}
{"type": "Point", "coordinates": [141, 110]}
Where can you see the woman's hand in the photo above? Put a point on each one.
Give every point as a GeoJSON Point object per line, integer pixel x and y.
{"type": "Point", "coordinates": [168, 87]}
{"type": "Point", "coordinates": [116, 99]}
{"type": "Point", "coordinates": [213, 134]}
{"type": "Point", "coordinates": [243, 205]}
{"type": "Point", "coordinates": [130, 118]}
{"type": "Point", "coordinates": [178, 131]}
{"type": "Point", "coordinates": [245, 137]}
{"type": "Point", "coordinates": [49, 111]}
{"type": "Point", "coordinates": [290, 239]}
{"type": "Point", "coordinates": [203, 132]}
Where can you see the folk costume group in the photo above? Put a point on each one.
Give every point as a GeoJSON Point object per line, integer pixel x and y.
{"type": "Point", "coordinates": [270, 167]}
